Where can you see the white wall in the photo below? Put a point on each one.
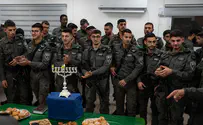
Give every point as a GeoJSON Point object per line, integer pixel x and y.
{"type": "Point", "coordinates": [78, 9]}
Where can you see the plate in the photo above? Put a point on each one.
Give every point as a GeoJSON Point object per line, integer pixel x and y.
{"type": "Point", "coordinates": [93, 119]}
{"type": "Point", "coordinates": [18, 114]}
{"type": "Point", "coordinates": [24, 110]}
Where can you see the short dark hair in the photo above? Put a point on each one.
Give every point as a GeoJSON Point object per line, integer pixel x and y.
{"type": "Point", "coordinates": [83, 21]}
{"type": "Point", "coordinates": [109, 24]}
{"type": "Point", "coordinates": [120, 21]}
{"type": "Point", "coordinates": [149, 35]}
{"type": "Point", "coordinates": [149, 23]}
{"type": "Point", "coordinates": [72, 26]}
{"type": "Point", "coordinates": [126, 31]}
{"type": "Point", "coordinates": [67, 30]}
{"type": "Point", "coordinates": [194, 31]}
{"type": "Point", "coordinates": [96, 31]}
{"type": "Point", "coordinates": [176, 33]}
{"type": "Point", "coordinates": [45, 22]}
{"type": "Point", "coordinates": [37, 25]}
{"type": "Point", "coordinates": [200, 34]}
{"type": "Point", "coordinates": [166, 32]}
{"type": "Point", "coordinates": [90, 28]}
{"type": "Point", "coordinates": [9, 23]}
{"type": "Point", "coordinates": [63, 15]}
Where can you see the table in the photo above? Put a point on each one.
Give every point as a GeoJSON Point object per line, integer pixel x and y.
{"type": "Point", "coordinates": [112, 119]}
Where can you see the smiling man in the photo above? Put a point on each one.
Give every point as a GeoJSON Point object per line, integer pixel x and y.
{"type": "Point", "coordinates": [38, 58]}
{"type": "Point", "coordinates": [95, 67]}
{"type": "Point", "coordinates": [176, 75]}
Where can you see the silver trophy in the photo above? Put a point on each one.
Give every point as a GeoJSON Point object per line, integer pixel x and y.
{"type": "Point", "coordinates": [64, 72]}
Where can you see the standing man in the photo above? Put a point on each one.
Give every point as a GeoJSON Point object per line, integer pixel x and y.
{"type": "Point", "coordinates": [176, 75]}
{"type": "Point", "coordinates": [147, 81]}
{"type": "Point", "coordinates": [69, 54]}
{"type": "Point", "coordinates": [95, 67]}
{"type": "Point", "coordinates": [86, 42]}
{"type": "Point", "coordinates": [195, 95]}
{"type": "Point", "coordinates": [117, 38]}
{"type": "Point", "coordinates": [108, 28]}
{"type": "Point", "coordinates": [166, 37]}
{"type": "Point", "coordinates": [191, 39]}
{"type": "Point", "coordinates": [57, 31]}
{"type": "Point", "coordinates": [74, 29]}
{"type": "Point", "coordinates": [38, 58]}
{"type": "Point", "coordinates": [149, 28]}
{"type": "Point", "coordinates": [45, 31]}
{"type": "Point", "coordinates": [127, 64]}
{"type": "Point", "coordinates": [12, 75]}
{"type": "Point", "coordinates": [82, 32]}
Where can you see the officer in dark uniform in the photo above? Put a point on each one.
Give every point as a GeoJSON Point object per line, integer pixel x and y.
{"type": "Point", "coordinates": [38, 58]}
{"type": "Point", "coordinates": [74, 28]}
{"type": "Point", "coordinates": [127, 64]}
{"type": "Point", "coordinates": [82, 32]}
{"type": "Point", "coordinates": [69, 54]}
{"type": "Point", "coordinates": [176, 75]}
{"type": "Point", "coordinates": [45, 31]}
{"type": "Point", "coordinates": [12, 75]}
{"type": "Point", "coordinates": [166, 37]}
{"type": "Point", "coordinates": [149, 28]}
{"type": "Point", "coordinates": [117, 38]}
{"type": "Point", "coordinates": [147, 80]}
{"type": "Point", "coordinates": [108, 28]}
{"type": "Point", "coordinates": [64, 21]}
{"type": "Point", "coordinates": [86, 42]}
{"type": "Point", "coordinates": [195, 95]}
{"type": "Point", "coordinates": [95, 67]}
{"type": "Point", "coordinates": [195, 110]}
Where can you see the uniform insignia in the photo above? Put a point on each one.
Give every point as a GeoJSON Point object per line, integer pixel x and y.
{"type": "Point", "coordinates": [109, 58]}
{"type": "Point", "coordinates": [192, 65]}
{"type": "Point", "coordinates": [100, 54]}
{"type": "Point", "coordinates": [181, 58]}
{"type": "Point", "coordinates": [156, 59]}
{"type": "Point", "coordinates": [19, 44]}
{"type": "Point", "coordinates": [129, 55]}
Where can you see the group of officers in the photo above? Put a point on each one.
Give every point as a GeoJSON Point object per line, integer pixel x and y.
{"type": "Point", "coordinates": [140, 69]}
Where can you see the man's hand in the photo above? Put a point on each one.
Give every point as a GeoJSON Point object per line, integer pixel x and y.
{"type": "Point", "coordinates": [87, 75]}
{"type": "Point", "coordinates": [122, 82]}
{"type": "Point", "coordinates": [141, 85]}
{"type": "Point", "coordinates": [66, 59]}
{"type": "Point", "coordinates": [4, 83]}
{"type": "Point", "coordinates": [176, 94]}
{"type": "Point", "coordinates": [112, 69]}
{"type": "Point", "coordinates": [24, 62]}
{"type": "Point", "coordinates": [13, 62]}
{"type": "Point", "coordinates": [163, 71]}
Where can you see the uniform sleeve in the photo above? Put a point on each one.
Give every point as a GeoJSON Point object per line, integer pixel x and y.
{"type": "Point", "coordinates": [139, 63]}
{"type": "Point", "coordinates": [54, 32]}
{"type": "Point", "coordinates": [188, 71]}
{"type": "Point", "coordinates": [195, 94]}
{"type": "Point", "coordinates": [106, 64]}
{"type": "Point", "coordinates": [2, 75]}
{"type": "Point", "coordinates": [140, 42]}
{"type": "Point", "coordinates": [160, 43]}
{"type": "Point", "coordinates": [85, 65]}
{"type": "Point", "coordinates": [77, 61]}
{"type": "Point", "coordinates": [46, 59]}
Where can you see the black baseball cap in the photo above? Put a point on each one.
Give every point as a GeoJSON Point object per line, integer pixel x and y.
{"type": "Point", "coordinates": [83, 21]}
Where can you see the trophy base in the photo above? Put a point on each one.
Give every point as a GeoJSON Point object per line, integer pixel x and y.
{"type": "Point", "coordinates": [64, 93]}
